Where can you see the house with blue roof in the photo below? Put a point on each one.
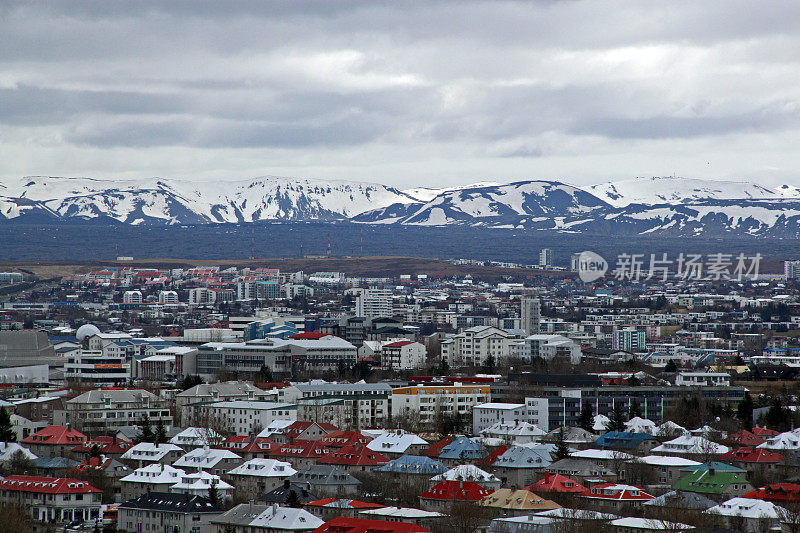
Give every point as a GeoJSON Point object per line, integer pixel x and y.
{"type": "Point", "coordinates": [630, 442]}
{"type": "Point", "coordinates": [410, 465]}
{"type": "Point", "coordinates": [462, 450]}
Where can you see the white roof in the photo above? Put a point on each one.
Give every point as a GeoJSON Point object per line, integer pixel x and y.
{"type": "Point", "coordinates": [600, 422]}
{"type": "Point", "coordinates": [147, 451]}
{"type": "Point", "coordinates": [8, 449]}
{"type": "Point", "coordinates": [500, 406]}
{"type": "Point", "coordinates": [200, 481]}
{"type": "Point", "coordinates": [748, 508]}
{"type": "Point", "coordinates": [648, 524]}
{"type": "Point", "coordinates": [196, 437]}
{"type": "Point", "coordinates": [400, 512]}
{"type": "Point", "coordinates": [204, 458]}
{"type": "Point", "coordinates": [665, 460]}
{"type": "Point", "coordinates": [466, 473]}
{"type": "Point", "coordinates": [520, 429]}
{"type": "Point", "coordinates": [264, 468]}
{"type": "Point", "coordinates": [693, 445]}
{"type": "Point", "coordinates": [581, 514]}
{"type": "Point", "coordinates": [275, 427]}
{"type": "Point", "coordinates": [788, 440]}
{"type": "Point", "coordinates": [395, 442]}
{"type": "Point", "coordinates": [286, 518]}
{"type": "Point", "coordinates": [592, 453]}
{"type": "Point", "coordinates": [155, 473]}
{"type": "Point", "coordinates": [640, 425]}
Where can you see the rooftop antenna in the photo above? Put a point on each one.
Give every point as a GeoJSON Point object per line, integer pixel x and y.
{"type": "Point", "coordinates": [329, 244]}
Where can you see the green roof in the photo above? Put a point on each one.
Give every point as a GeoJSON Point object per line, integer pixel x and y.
{"type": "Point", "coordinates": [709, 481]}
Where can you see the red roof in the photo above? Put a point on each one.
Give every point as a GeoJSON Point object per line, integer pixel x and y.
{"type": "Point", "coordinates": [556, 483]}
{"type": "Point", "coordinates": [106, 445]}
{"type": "Point", "coordinates": [302, 448]}
{"type": "Point", "coordinates": [436, 448]}
{"type": "Point", "coordinates": [56, 435]}
{"type": "Point", "coordinates": [617, 492]}
{"type": "Point", "coordinates": [398, 344]}
{"type": "Point", "coordinates": [352, 504]}
{"type": "Point", "coordinates": [456, 490]}
{"type": "Point", "coordinates": [764, 432]}
{"type": "Point", "coordinates": [355, 455]}
{"type": "Point", "coordinates": [296, 428]}
{"type": "Point", "coordinates": [776, 493]}
{"type": "Point", "coordinates": [340, 439]}
{"type": "Point", "coordinates": [46, 485]}
{"type": "Point", "coordinates": [492, 457]}
{"type": "Point", "coordinates": [309, 335]}
{"type": "Point", "coordinates": [342, 524]}
{"type": "Point", "coordinates": [243, 443]}
{"type": "Point", "coordinates": [745, 438]}
{"type": "Point", "coordinates": [751, 455]}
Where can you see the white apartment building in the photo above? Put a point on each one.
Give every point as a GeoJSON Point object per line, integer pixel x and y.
{"type": "Point", "coordinates": [374, 303]}
{"type": "Point", "coordinates": [96, 368]}
{"type": "Point", "coordinates": [474, 345]}
{"type": "Point", "coordinates": [791, 269]}
{"type": "Point", "coordinates": [546, 257]}
{"type": "Point", "coordinates": [168, 297]}
{"type": "Point", "coordinates": [104, 412]}
{"type": "Point", "coordinates": [240, 417]}
{"type": "Point", "coordinates": [427, 400]}
{"type": "Point", "coordinates": [549, 347]}
{"type": "Point", "coordinates": [628, 339]}
{"type": "Point", "coordinates": [530, 312]}
{"type": "Point", "coordinates": [202, 296]}
{"type": "Point", "coordinates": [402, 355]}
{"type": "Point", "coordinates": [132, 297]}
{"type": "Point", "coordinates": [485, 415]}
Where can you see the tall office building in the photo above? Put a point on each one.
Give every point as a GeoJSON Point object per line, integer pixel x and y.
{"type": "Point", "coordinates": [575, 262]}
{"type": "Point", "coordinates": [546, 257]}
{"type": "Point", "coordinates": [531, 313]}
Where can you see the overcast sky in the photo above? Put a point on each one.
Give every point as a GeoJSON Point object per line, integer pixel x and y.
{"type": "Point", "coordinates": [402, 93]}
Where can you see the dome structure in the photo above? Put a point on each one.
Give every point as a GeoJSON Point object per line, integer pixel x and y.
{"type": "Point", "coordinates": [86, 331]}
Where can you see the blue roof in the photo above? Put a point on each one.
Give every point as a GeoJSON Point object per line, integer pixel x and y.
{"type": "Point", "coordinates": [524, 457]}
{"type": "Point", "coordinates": [463, 448]}
{"type": "Point", "coordinates": [623, 439]}
{"type": "Point", "coordinates": [413, 464]}
{"type": "Point", "coordinates": [54, 339]}
{"type": "Point", "coordinates": [716, 465]}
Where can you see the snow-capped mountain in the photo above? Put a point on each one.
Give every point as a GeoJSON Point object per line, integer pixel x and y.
{"type": "Point", "coordinates": [674, 190]}
{"type": "Point", "coordinates": [426, 194]}
{"type": "Point", "coordinates": [649, 206]}
{"type": "Point", "coordinates": [187, 202]}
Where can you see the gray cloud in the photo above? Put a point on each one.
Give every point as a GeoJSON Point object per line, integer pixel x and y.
{"type": "Point", "coordinates": [401, 92]}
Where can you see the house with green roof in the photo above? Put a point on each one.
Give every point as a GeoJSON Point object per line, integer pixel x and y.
{"type": "Point", "coordinates": [716, 484]}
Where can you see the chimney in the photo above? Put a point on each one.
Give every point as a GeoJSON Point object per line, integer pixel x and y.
{"type": "Point", "coordinates": [546, 477]}
{"type": "Point", "coordinates": [711, 472]}
{"type": "Point", "coordinates": [286, 484]}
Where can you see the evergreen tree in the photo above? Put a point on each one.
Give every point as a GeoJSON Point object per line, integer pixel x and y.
{"type": "Point", "coordinates": [562, 450]}
{"type": "Point", "coordinates": [634, 411]}
{"type": "Point", "coordinates": [145, 431]}
{"type": "Point", "coordinates": [7, 433]}
{"type": "Point", "coordinates": [617, 419]}
{"type": "Point", "coordinates": [213, 493]}
{"type": "Point", "coordinates": [670, 366]}
{"type": "Point", "coordinates": [160, 435]}
{"type": "Point", "coordinates": [586, 418]}
{"type": "Point", "coordinates": [489, 365]}
{"type": "Point", "coordinates": [777, 417]}
{"type": "Point", "coordinates": [293, 500]}
{"type": "Point", "coordinates": [744, 412]}
{"type": "Point", "coordinates": [190, 381]}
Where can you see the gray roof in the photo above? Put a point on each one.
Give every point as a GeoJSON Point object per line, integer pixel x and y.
{"type": "Point", "coordinates": [523, 457]}
{"type": "Point", "coordinates": [227, 388]}
{"type": "Point", "coordinates": [323, 475]}
{"type": "Point", "coordinates": [29, 347]}
{"type": "Point", "coordinates": [54, 463]}
{"type": "Point", "coordinates": [338, 387]}
{"type": "Point", "coordinates": [682, 500]}
{"type": "Point", "coordinates": [169, 502]}
{"type": "Point", "coordinates": [241, 515]}
{"type": "Point", "coordinates": [578, 467]}
{"type": "Point", "coordinates": [126, 396]}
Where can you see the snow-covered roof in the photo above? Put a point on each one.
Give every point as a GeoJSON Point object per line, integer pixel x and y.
{"type": "Point", "coordinates": [275, 427]}
{"type": "Point", "coordinates": [592, 453]}
{"type": "Point", "coordinates": [204, 458]}
{"type": "Point", "coordinates": [198, 481]}
{"type": "Point", "coordinates": [264, 468]}
{"type": "Point", "coordinates": [466, 473]}
{"type": "Point", "coordinates": [196, 437]}
{"type": "Point", "coordinates": [691, 445]}
{"type": "Point", "coordinates": [8, 449]}
{"type": "Point", "coordinates": [666, 460]}
{"type": "Point", "coordinates": [748, 508]}
{"type": "Point", "coordinates": [276, 518]}
{"type": "Point", "coordinates": [640, 425]}
{"type": "Point", "coordinates": [648, 524]}
{"type": "Point", "coordinates": [395, 442]}
{"type": "Point", "coordinates": [147, 451]}
{"type": "Point", "coordinates": [155, 473]}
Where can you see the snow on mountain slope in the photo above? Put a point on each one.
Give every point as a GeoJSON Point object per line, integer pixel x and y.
{"type": "Point", "coordinates": [788, 191]}
{"type": "Point", "coordinates": [186, 202]}
{"type": "Point", "coordinates": [672, 190]}
{"type": "Point", "coordinates": [426, 194]}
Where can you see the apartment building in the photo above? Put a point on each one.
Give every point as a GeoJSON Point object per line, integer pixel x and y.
{"type": "Point", "coordinates": [98, 369]}
{"type": "Point", "coordinates": [474, 345]}
{"type": "Point", "coordinates": [104, 412]}
{"type": "Point", "coordinates": [427, 400]}
{"type": "Point", "coordinates": [164, 511]}
{"type": "Point", "coordinates": [402, 355]}
{"type": "Point", "coordinates": [374, 303]}
{"type": "Point", "coordinates": [628, 339]}
{"type": "Point", "coordinates": [240, 417]}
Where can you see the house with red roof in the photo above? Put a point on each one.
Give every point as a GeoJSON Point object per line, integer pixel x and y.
{"type": "Point", "coordinates": [355, 458]}
{"type": "Point", "coordinates": [51, 499]}
{"type": "Point", "coordinates": [764, 432]}
{"type": "Point", "coordinates": [616, 496]}
{"type": "Point", "coordinates": [303, 430]}
{"type": "Point", "coordinates": [248, 448]}
{"type": "Point", "coordinates": [301, 453]}
{"type": "Point", "coordinates": [54, 441]}
{"type": "Point", "coordinates": [309, 335]}
{"type": "Point", "coordinates": [435, 449]}
{"type": "Point", "coordinates": [361, 525]}
{"type": "Point", "coordinates": [556, 483]}
{"type": "Point", "coordinates": [440, 497]}
{"type": "Point", "coordinates": [340, 439]}
{"type": "Point", "coordinates": [753, 459]}
{"type": "Point", "coordinates": [328, 508]}
{"type": "Point", "coordinates": [108, 446]}
{"type": "Point", "coordinates": [776, 493]}
{"type": "Point", "coordinates": [743, 438]}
